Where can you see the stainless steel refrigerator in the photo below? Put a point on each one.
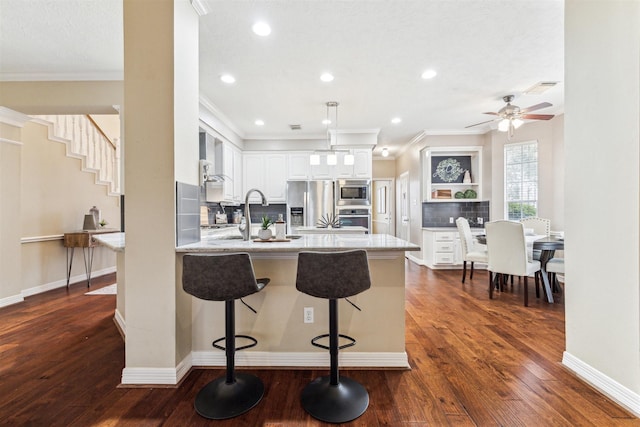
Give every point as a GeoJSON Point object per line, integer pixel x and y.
{"type": "Point", "coordinates": [316, 198]}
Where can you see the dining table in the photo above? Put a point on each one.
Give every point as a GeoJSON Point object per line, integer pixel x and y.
{"type": "Point", "coordinates": [548, 245]}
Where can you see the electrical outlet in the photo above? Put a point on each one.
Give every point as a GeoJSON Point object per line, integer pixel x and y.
{"type": "Point", "coordinates": [308, 315]}
{"type": "Point", "coordinates": [480, 220]}
{"type": "Point", "coordinates": [450, 220]}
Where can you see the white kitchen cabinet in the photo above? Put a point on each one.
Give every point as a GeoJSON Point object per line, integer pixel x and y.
{"type": "Point", "coordinates": [362, 167]}
{"type": "Point", "coordinates": [228, 163]}
{"type": "Point", "coordinates": [442, 249]}
{"type": "Point", "coordinates": [266, 171]}
{"type": "Point", "coordinates": [433, 190]}
{"type": "Point", "coordinates": [298, 165]}
{"type": "Point", "coordinates": [323, 170]}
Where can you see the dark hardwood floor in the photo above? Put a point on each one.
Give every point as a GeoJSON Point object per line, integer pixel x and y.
{"type": "Point", "coordinates": [474, 361]}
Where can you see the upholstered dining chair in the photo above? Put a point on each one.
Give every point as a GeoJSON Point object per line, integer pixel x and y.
{"type": "Point", "coordinates": [540, 227]}
{"type": "Point", "coordinates": [471, 251]}
{"type": "Point", "coordinates": [507, 251]}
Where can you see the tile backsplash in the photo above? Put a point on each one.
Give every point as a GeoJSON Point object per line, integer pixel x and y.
{"type": "Point", "coordinates": [438, 214]}
{"type": "Point", "coordinates": [257, 210]}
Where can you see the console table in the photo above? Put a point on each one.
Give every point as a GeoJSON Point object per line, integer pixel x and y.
{"type": "Point", "coordinates": [83, 239]}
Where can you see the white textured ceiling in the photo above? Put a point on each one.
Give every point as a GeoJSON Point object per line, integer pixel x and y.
{"type": "Point", "coordinates": [376, 49]}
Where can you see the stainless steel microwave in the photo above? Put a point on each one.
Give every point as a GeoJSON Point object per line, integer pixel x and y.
{"type": "Point", "coordinates": [353, 192]}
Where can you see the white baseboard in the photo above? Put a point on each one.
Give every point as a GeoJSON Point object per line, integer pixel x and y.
{"type": "Point", "coordinates": [156, 376]}
{"type": "Point", "coordinates": [609, 387]}
{"type": "Point", "coordinates": [170, 376]}
{"type": "Point", "coordinates": [63, 282]}
{"type": "Point", "coordinates": [414, 258]}
{"type": "Point", "coordinates": [120, 323]}
{"type": "Point", "coordinates": [14, 299]}
{"type": "Point", "coordinates": [303, 359]}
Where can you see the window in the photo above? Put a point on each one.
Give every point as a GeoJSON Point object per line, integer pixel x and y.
{"type": "Point", "coordinates": [521, 180]}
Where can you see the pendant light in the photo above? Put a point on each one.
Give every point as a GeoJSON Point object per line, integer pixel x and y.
{"type": "Point", "coordinates": [332, 140]}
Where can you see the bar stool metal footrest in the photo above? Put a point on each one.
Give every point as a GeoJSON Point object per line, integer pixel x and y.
{"type": "Point", "coordinates": [351, 343]}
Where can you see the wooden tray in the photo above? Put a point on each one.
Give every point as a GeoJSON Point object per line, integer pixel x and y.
{"type": "Point", "coordinates": [271, 240]}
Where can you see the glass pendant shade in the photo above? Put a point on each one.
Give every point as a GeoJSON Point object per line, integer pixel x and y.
{"type": "Point", "coordinates": [314, 159]}
{"type": "Point", "coordinates": [349, 159]}
{"type": "Point", "coordinates": [332, 159]}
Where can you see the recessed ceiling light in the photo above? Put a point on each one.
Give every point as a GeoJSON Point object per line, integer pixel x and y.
{"type": "Point", "coordinates": [429, 74]}
{"type": "Point", "coordinates": [326, 77]}
{"type": "Point", "coordinates": [261, 28]}
{"type": "Point", "coordinates": [396, 120]}
{"type": "Point", "coordinates": [228, 78]}
{"type": "Point", "coordinates": [326, 122]}
{"type": "Point", "coordinates": [259, 122]}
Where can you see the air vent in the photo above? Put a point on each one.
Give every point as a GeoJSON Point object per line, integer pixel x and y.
{"type": "Point", "coordinates": [295, 127]}
{"type": "Point", "coordinates": [539, 88]}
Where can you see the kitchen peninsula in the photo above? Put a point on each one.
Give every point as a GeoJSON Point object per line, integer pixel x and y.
{"type": "Point", "coordinates": [279, 325]}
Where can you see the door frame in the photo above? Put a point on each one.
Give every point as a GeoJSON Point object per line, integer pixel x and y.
{"type": "Point", "coordinates": [391, 202]}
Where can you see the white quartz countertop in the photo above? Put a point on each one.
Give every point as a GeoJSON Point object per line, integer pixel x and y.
{"type": "Point", "coordinates": [473, 229]}
{"type": "Point", "coordinates": [343, 230]}
{"type": "Point", "coordinates": [305, 242]}
{"type": "Point", "coordinates": [114, 241]}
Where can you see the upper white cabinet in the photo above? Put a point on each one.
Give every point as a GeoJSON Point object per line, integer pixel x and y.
{"type": "Point", "coordinates": [266, 171]}
{"type": "Point", "coordinates": [363, 166]}
{"type": "Point", "coordinates": [228, 162]}
{"type": "Point", "coordinates": [298, 163]}
{"type": "Point", "coordinates": [445, 171]}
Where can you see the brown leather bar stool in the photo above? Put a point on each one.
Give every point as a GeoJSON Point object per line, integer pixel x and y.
{"type": "Point", "coordinates": [334, 275]}
{"type": "Point", "coordinates": [225, 278]}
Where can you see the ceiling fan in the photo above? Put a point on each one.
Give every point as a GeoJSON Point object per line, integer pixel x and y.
{"type": "Point", "coordinates": [511, 116]}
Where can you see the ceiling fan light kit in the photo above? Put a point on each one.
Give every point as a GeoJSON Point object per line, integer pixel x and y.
{"type": "Point", "coordinates": [512, 117]}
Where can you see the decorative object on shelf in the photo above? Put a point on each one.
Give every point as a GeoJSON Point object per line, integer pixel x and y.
{"type": "Point", "coordinates": [328, 221]}
{"type": "Point", "coordinates": [280, 228]}
{"type": "Point", "coordinates": [467, 177]}
{"type": "Point", "coordinates": [441, 194]}
{"type": "Point", "coordinates": [459, 195]}
{"type": "Point", "coordinates": [265, 232]}
{"type": "Point", "coordinates": [470, 194]}
{"type": "Point", "coordinates": [103, 223]}
{"type": "Point", "coordinates": [96, 214]}
{"type": "Point", "coordinates": [449, 169]}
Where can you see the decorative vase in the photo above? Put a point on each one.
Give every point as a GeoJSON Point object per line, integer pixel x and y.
{"type": "Point", "coordinates": [264, 234]}
{"type": "Point", "coordinates": [467, 177]}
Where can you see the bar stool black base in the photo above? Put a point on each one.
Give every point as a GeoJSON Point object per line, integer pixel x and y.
{"type": "Point", "coordinates": [219, 400]}
{"type": "Point", "coordinates": [335, 403]}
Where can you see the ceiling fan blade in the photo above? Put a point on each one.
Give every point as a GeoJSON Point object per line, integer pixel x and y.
{"type": "Point", "coordinates": [481, 123]}
{"type": "Point", "coordinates": [537, 116]}
{"type": "Point", "coordinates": [492, 113]}
{"type": "Point", "coordinates": [536, 107]}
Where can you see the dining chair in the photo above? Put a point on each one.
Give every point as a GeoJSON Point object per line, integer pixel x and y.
{"type": "Point", "coordinates": [539, 227]}
{"type": "Point", "coordinates": [507, 253]}
{"type": "Point", "coordinates": [471, 251]}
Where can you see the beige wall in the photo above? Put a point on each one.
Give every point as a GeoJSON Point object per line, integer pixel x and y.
{"type": "Point", "coordinates": [384, 168]}
{"type": "Point", "coordinates": [602, 186]}
{"type": "Point", "coordinates": [55, 196]}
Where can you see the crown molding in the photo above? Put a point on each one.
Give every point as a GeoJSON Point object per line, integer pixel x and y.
{"type": "Point", "coordinates": [62, 77]}
{"type": "Point", "coordinates": [453, 132]}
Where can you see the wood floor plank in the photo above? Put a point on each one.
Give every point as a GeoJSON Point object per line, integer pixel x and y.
{"type": "Point", "coordinates": [474, 362]}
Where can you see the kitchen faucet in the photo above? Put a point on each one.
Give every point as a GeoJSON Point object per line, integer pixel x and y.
{"type": "Point", "coordinates": [245, 224]}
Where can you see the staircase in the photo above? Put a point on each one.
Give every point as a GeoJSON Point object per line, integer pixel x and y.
{"type": "Point", "coordinates": [86, 141]}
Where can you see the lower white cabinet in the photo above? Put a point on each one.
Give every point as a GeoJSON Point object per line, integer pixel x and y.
{"type": "Point", "coordinates": [442, 249]}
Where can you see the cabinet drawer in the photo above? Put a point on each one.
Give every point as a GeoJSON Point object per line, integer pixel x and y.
{"type": "Point", "coordinates": [445, 236]}
{"type": "Point", "coordinates": [444, 258]}
{"type": "Point", "coordinates": [444, 247]}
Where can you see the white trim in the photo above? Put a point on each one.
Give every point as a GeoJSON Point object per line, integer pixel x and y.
{"type": "Point", "coordinates": [414, 258]}
{"type": "Point", "coordinates": [63, 282]}
{"type": "Point", "coordinates": [45, 77]}
{"type": "Point", "coordinates": [119, 319]}
{"type": "Point", "coordinates": [607, 386]}
{"type": "Point", "coordinates": [317, 359]}
{"type": "Point", "coordinates": [14, 299]}
{"type": "Point", "coordinates": [454, 132]}
{"type": "Point", "coordinates": [13, 118]}
{"type": "Point", "coordinates": [200, 7]}
{"type": "Point", "coordinates": [10, 141]}
{"type": "Point", "coordinates": [35, 239]}
{"type": "Point", "coordinates": [151, 376]}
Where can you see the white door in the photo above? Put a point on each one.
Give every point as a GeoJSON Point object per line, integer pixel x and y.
{"type": "Point", "coordinates": [382, 212]}
{"type": "Point", "coordinates": [403, 207]}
